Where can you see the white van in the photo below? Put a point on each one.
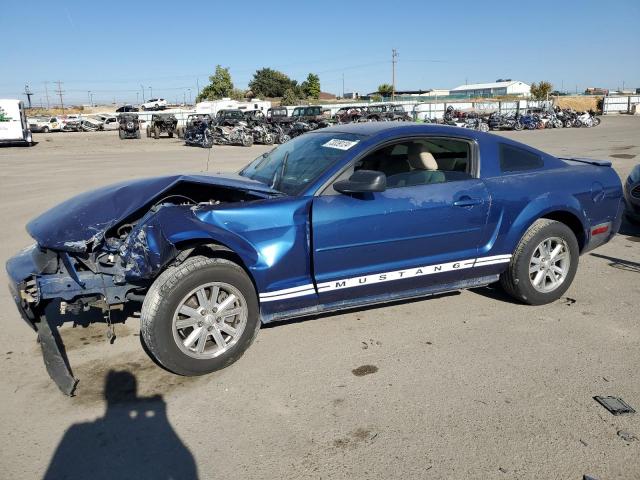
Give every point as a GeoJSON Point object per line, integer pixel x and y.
{"type": "Point", "coordinates": [13, 122]}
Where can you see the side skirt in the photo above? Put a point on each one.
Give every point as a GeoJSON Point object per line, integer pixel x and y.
{"type": "Point", "coordinates": [380, 299]}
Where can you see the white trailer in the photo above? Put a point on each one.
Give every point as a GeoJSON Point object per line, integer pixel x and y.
{"type": "Point", "coordinates": [13, 122]}
{"type": "Point", "coordinates": [212, 107]}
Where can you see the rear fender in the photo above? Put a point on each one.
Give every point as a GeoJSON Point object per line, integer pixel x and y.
{"type": "Point", "coordinates": [545, 204]}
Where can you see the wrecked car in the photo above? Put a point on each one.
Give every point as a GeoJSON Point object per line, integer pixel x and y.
{"type": "Point", "coordinates": [344, 217]}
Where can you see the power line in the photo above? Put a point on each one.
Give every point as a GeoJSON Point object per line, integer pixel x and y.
{"type": "Point", "coordinates": [394, 60]}
{"type": "Point", "coordinates": [28, 93]}
{"type": "Point", "coordinates": [46, 92]}
{"type": "Point", "coordinates": [60, 92]}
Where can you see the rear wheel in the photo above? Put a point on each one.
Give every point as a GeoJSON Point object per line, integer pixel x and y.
{"type": "Point", "coordinates": [45, 130]}
{"type": "Point", "coordinates": [518, 126]}
{"type": "Point", "coordinates": [148, 131]}
{"type": "Point", "coordinates": [544, 263]}
{"type": "Point", "coordinates": [200, 316]}
{"type": "Point", "coordinates": [156, 133]}
{"type": "Point", "coordinates": [121, 134]}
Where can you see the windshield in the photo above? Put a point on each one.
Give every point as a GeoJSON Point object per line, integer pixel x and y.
{"type": "Point", "coordinates": [292, 166]}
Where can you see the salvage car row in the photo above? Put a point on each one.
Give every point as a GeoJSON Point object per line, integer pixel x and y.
{"type": "Point", "coordinates": [73, 123]}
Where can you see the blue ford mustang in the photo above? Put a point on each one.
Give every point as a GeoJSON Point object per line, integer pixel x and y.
{"type": "Point", "coordinates": [341, 217]}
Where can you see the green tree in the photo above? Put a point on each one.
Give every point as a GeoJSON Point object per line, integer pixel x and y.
{"type": "Point", "coordinates": [220, 86]}
{"type": "Point", "coordinates": [267, 82]}
{"type": "Point", "coordinates": [376, 97]}
{"type": "Point", "coordinates": [385, 90]}
{"type": "Point", "coordinates": [311, 86]}
{"type": "Point", "coordinates": [289, 97]}
{"type": "Point", "coordinates": [238, 94]}
{"type": "Point", "coordinates": [539, 91]}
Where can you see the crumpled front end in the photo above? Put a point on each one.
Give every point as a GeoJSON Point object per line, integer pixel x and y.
{"type": "Point", "coordinates": [104, 259]}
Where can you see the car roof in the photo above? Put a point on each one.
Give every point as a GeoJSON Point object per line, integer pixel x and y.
{"type": "Point", "coordinates": [401, 128]}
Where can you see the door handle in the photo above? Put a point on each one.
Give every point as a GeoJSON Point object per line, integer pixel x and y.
{"type": "Point", "coordinates": [466, 201]}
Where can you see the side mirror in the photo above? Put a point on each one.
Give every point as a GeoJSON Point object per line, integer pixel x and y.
{"type": "Point", "coordinates": [362, 181]}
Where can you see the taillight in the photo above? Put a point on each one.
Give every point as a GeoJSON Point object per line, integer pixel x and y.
{"type": "Point", "coordinates": [600, 229]}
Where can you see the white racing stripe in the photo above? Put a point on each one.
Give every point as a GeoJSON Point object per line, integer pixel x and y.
{"type": "Point", "coordinates": [383, 277]}
{"type": "Point", "coordinates": [287, 290]}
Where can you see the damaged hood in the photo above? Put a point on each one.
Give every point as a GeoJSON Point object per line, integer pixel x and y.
{"type": "Point", "coordinates": [80, 223]}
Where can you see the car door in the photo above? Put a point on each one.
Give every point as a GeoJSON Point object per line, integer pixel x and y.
{"type": "Point", "coordinates": [413, 236]}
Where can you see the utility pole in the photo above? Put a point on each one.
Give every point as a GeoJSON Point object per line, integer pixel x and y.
{"type": "Point", "coordinates": [189, 96]}
{"type": "Point", "coordinates": [89, 97]}
{"type": "Point", "coordinates": [28, 93]}
{"type": "Point", "coordinates": [343, 85]}
{"type": "Point", "coordinates": [46, 93]}
{"type": "Point", "coordinates": [142, 87]}
{"type": "Point", "coordinates": [60, 92]}
{"type": "Point", "coordinates": [198, 87]}
{"type": "Point", "coordinates": [394, 60]}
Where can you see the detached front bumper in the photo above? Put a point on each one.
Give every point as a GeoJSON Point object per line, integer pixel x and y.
{"type": "Point", "coordinates": [23, 271]}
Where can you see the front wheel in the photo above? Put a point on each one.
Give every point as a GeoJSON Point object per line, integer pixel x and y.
{"type": "Point", "coordinates": [544, 263]}
{"type": "Point", "coordinates": [200, 316]}
{"type": "Point", "coordinates": [247, 140]}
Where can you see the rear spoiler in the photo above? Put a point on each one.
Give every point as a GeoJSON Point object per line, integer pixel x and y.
{"type": "Point", "coordinates": [599, 163]}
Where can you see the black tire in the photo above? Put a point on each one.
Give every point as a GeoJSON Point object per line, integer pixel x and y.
{"type": "Point", "coordinates": [156, 133]}
{"type": "Point", "coordinates": [138, 134]}
{"type": "Point", "coordinates": [45, 130]}
{"type": "Point", "coordinates": [121, 134]}
{"type": "Point", "coordinates": [148, 131]}
{"type": "Point", "coordinates": [165, 295]}
{"type": "Point", "coordinates": [516, 281]}
{"type": "Point", "coordinates": [170, 134]}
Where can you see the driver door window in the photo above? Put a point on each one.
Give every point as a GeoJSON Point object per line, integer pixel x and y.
{"type": "Point", "coordinates": [420, 162]}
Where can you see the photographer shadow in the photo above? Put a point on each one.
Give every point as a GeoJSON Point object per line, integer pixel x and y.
{"type": "Point", "coordinates": [133, 440]}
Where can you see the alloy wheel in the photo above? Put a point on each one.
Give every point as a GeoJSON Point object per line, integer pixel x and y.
{"type": "Point", "coordinates": [549, 264]}
{"type": "Point", "coordinates": [209, 320]}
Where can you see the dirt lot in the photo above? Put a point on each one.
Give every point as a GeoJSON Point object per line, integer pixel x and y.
{"type": "Point", "coordinates": [461, 386]}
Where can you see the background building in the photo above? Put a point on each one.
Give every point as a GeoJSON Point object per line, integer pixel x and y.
{"type": "Point", "coordinates": [500, 87]}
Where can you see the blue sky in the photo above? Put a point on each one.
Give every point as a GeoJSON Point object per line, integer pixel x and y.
{"type": "Point", "coordinates": [112, 48]}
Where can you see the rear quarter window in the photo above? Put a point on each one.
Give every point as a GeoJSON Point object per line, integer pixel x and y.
{"type": "Point", "coordinates": [515, 159]}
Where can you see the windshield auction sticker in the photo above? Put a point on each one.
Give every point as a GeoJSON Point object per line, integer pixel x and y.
{"type": "Point", "coordinates": [340, 144]}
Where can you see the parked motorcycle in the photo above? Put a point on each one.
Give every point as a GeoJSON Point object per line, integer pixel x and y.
{"type": "Point", "coordinates": [198, 131]}
{"type": "Point", "coordinates": [232, 135]}
{"type": "Point", "coordinates": [279, 132]}
{"type": "Point", "coordinates": [498, 121]}
{"type": "Point", "coordinates": [298, 128]}
{"type": "Point", "coordinates": [262, 134]}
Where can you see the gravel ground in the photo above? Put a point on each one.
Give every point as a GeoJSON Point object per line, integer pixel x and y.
{"type": "Point", "coordinates": [461, 386]}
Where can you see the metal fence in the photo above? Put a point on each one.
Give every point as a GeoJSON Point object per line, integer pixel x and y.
{"type": "Point", "coordinates": [624, 104]}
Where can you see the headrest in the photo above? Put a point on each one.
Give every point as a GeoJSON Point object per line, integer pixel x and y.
{"type": "Point", "coordinates": [420, 158]}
